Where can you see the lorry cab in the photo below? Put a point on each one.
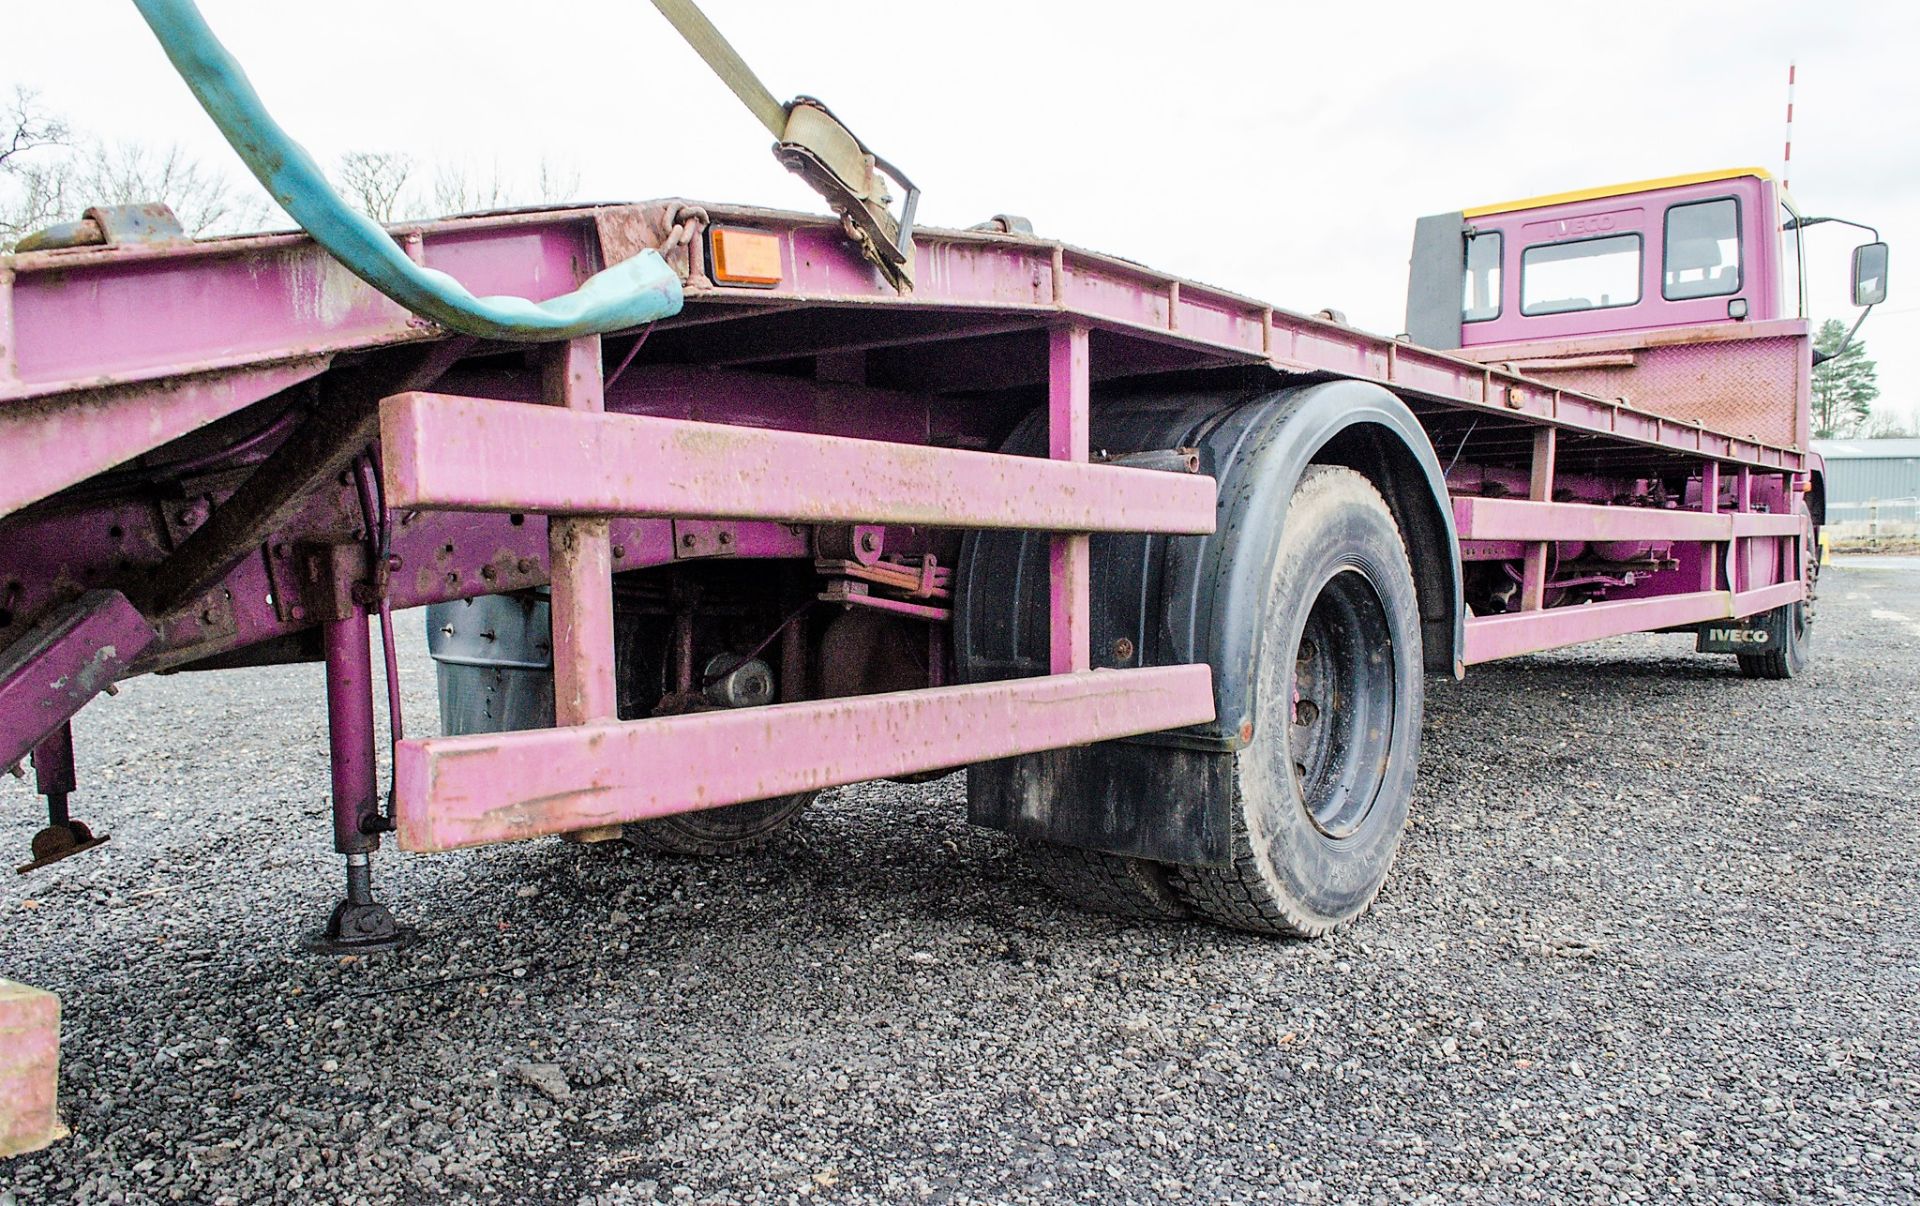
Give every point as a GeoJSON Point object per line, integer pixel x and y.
{"type": "Point", "coordinates": [1686, 293]}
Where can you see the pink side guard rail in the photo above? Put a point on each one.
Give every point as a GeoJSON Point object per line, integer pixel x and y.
{"type": "Point", "coordinates": [1490, 638]}
{"type": "Point", "coordinates": [469, 791]}
{"type": "Point", "coordinates": [473, 454]}
{"type": "Point", "coordinates": [571, 460]}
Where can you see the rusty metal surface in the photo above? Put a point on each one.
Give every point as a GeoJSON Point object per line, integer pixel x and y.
{"type": "Point", "coordinates": [464, 791]}
{"type": "Point", "coordinates": [54, 443]}
{"type": "Point", "coordinates": [1749, 388]}
{"type": "Point", "coordinates": [443, 452]}
{"type": "Point", "coordinates": [76, 652]}
{"type": "Point", "coordinates": [979, 272]}
{"type": "Point", "coordinates": [343, 423]}
{"type": "Point", "coordinates": [1513, 633]}
{"type": "Point", "coordinates": [29, 1069]}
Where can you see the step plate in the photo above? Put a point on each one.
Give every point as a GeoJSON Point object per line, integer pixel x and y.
{"type": "Point", "coordinates": [472, 790]}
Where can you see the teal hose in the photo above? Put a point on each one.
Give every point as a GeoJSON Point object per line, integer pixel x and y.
{"type": "Point", "coordinates": [629, 294]}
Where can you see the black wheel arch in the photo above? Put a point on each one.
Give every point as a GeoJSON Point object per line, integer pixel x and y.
{"type": "Point", "coordinates": [1183, 599]}
{"type": "Point", "coordinates": [1169, 600]}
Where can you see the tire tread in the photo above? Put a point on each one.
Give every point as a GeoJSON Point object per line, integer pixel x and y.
{"type": "Point", "coordinates": [1105, 883]}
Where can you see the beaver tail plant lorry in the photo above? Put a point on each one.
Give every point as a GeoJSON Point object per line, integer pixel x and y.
{"type": "Point", "coordinates": [712, 508]}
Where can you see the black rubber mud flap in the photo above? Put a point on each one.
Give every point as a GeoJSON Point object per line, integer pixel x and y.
{"type": "Point", "coordinates": [1117, 797]}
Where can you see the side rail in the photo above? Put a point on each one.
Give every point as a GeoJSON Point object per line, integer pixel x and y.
{"type": "Point", "coordinates": [581, 466]}
{"type": "Point", "coordinates": [1738, 556]}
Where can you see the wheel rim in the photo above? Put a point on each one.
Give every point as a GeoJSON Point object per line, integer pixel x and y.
{"type": "Point", "coordinates": [1342, 704]}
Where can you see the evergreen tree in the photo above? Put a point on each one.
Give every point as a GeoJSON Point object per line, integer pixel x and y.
{"type": "Point", "coordinates": [1845, 386]}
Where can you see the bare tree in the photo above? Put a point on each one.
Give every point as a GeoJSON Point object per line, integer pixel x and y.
{"type": "Point", "coordinates": [32, 182]}
{"type": "Point", "coordinates": [376, 182]}
{"type": "Point", "coordinates": [48, 176]}
{"type": "Point", "coordinates": [558, 182]}
{"type": "Point", "coordinates": [129, 173]}
{"type": "Point", "coordinates": [27, 126]}
{"type": "Point", "coordinates": [459, 190]}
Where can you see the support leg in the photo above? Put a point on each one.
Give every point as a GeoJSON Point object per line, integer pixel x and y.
{"type": "Point", "coordinates": [359, 923]}
{"type": "Point", "coordinates": [54, 777]}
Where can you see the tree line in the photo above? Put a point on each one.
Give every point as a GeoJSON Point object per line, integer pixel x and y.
{"type": "Point", "coordinates": [50, 173]}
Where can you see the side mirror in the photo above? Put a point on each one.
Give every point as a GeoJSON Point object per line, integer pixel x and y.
{"type": "Point", "coordinates": [1869, 274]}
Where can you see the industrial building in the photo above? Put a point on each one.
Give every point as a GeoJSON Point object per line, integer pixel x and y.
{"type": "Point", "coordinates": [1873, 488]}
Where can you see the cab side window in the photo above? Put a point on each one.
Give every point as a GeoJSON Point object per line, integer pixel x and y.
{"type": "Point", "coordinates": [1583, 274]}
{"type": "Point", "coordinates": [1481, 297]}
{"type": "Point", "coordinates": [1702, 252]}
{"type": "Point", "coordinates": [1793, 298]}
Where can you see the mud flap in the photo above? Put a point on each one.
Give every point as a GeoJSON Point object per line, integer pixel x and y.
{"type": "Point", "coordinates": [1755, 634]}
{"type": "Point", "coordinates": [1124, 798]}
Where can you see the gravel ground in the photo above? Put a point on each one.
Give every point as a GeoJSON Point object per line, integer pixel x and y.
{"type": "Point", "coordinates": [1656, 939]}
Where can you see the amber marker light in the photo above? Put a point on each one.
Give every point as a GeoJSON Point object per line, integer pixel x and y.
{"type": "Point", "coordinates": [745, 257]}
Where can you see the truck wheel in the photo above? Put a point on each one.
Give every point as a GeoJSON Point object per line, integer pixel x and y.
{"type": "Point", "coordinates": [1105, 883]}
{"type": "Point", "coordinates": [713, 831]}
{"type": "Point", "coordinates": [1788, 657]}
{"type": "Point", "coordinates": [1321, 792]}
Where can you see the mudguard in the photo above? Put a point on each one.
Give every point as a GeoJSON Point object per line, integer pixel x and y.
{"type": "Point", "coordinates": [1170, 600]}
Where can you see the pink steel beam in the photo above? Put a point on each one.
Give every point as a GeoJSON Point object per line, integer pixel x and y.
{"type": "Point", "coordinates": [1069, 593]}
{"type": "Point", "coordinates": [71, 655]}
{"type": "Point", "coordinates": [1533, 574]}
{"type": "Point", "coordinates": [162, 311]}
{"type": "Point", "coordinates": [48, 446]}
{"type": "Point", "coordinates": [468, 791]}
{"type": "Point", "coordinates": [1710, 503]}
{"type": "Point", "coordinates": [980, 271]}
{"type": "Point", "coordinates": [1492, 637]}
{"type": "Point", "coordinates": [1513, 519]}
{"type": "Point", "coordinates": [470, 454]}
{"type": "Point", "coordinates": [581, 553]}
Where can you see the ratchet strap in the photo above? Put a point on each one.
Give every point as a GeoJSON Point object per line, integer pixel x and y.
{"type": "Point", "coordinates": [816, 146]}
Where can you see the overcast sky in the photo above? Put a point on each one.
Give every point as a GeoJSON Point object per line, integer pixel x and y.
{"type": "Point", "coordinates": [1279, 150]}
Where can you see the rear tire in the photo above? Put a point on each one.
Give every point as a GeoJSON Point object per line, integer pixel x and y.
{"type": "Point", "coordinates": [717, 831]}
{"type": "Point", "coordinates": [1788, 659]}
{"type": "Point", "coordinates": [1105, 883]}
{"type": "Point", "coordinates": [1321, 792]}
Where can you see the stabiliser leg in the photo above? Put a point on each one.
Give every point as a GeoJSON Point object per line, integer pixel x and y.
{"type": "Point", "coordinates": [54, 777]}
{"type": "Point", "coordinates": [358, 923]}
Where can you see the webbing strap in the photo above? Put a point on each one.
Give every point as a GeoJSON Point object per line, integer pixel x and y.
{"type": "Point", "coordinates": [711, 45]}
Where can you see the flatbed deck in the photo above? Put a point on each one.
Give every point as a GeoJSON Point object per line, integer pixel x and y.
{"type": "Point", "coordinates": [204, 328]}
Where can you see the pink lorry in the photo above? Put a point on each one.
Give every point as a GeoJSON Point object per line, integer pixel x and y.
{"type": "Point", "coordinates": [1164, 567]}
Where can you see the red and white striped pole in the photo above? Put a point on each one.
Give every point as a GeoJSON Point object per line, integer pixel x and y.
{"type": "Point", "coordinates": [1786, 160]}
